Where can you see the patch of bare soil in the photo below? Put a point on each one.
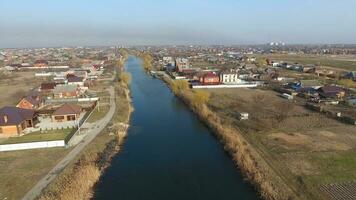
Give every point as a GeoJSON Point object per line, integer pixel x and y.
{"type": "Point", "coordinates": [320, 141]}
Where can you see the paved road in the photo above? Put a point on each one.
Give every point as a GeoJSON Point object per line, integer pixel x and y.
{"type": "Point", "coordinates": [91, 134]}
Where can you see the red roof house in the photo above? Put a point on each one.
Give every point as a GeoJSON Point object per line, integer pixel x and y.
{"type": "Point", "coordinates": [210, 78]}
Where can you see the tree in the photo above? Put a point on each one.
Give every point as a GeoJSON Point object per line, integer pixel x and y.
{"type": "Point", "coordinates": [347, 83]}
{"type": "Point", "coordinates": [147, 61]}
{"type": "Point", "coordinates": [201, 97]}
{"type": "Point", "coordinates": [125, 78]}
{"type": "Point", "coordinates": [179, 86]}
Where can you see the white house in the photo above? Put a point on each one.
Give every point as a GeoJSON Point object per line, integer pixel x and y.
{"type": "Point", "coordinates": [230, 78]}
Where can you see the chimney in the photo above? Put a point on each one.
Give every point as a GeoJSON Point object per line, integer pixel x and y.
{"type": "Point", "coordinates": [5, 119]}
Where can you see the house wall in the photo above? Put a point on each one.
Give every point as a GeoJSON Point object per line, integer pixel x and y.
{"type": "Point", "coordinates": [25, 104]}
{"type": "Point", "coordinates": [64, 118]}
{"type": "Point", "coordinates": [76, 83]}
{"type": "Point", "coordinates": [32, 145]}
{"type": "Point", "coordinates": [8, 131]}
{"type": "Point", "coordinates": [66, 94]}
{"type": "Point", "coordinates": [210, 80]}
{"type": "Point", "coordinates": [230, 78]}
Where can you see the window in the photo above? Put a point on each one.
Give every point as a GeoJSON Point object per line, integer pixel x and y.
{"type": "Point", "coordinates": [59, 117]}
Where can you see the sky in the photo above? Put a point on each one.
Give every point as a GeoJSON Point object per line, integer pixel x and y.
{"type": "Point", "coordinates": [45, 23]}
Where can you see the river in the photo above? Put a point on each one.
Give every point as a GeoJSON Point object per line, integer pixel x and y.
{"type": "Point", "coordinates": [169, 154]}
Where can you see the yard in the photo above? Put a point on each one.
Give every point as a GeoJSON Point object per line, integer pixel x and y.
{"type": "Point", "coordinates": [15, 85]}
{"type": "Point", "coordinates": [39, 136]}
{"type": "Point", "coordinates": [307, 149]}
{"type": "Point", "coordinates": [20, 170]}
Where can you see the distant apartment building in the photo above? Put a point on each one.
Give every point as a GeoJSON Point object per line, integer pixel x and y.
{"type": "Point", "coordinates": [182, 64]}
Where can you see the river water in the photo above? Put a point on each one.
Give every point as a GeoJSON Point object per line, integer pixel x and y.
{"type": "Point", "coordinates": [169, 154]}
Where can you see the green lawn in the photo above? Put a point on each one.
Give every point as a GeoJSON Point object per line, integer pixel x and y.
{"type": "Point", "coordinates": [38, 136]}
{"type": "Point", "coordinates": [334, 166]}
{"type": "Point", "coordinates": [98, 113]}
{"type": "Point", "coordinates": [20, 170]}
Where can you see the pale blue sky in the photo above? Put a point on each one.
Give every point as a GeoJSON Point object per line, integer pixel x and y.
{"type": "Point", "coordinates": [30, 23]}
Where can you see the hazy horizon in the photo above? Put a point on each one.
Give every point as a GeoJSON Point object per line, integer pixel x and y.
{"type": "Point", "coordinates": [39, 23]}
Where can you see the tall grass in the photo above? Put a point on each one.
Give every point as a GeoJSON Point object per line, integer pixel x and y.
{"type": "Point", "coordinates": [77, 184]}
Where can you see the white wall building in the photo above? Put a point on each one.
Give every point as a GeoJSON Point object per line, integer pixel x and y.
{"type": "Point", "coordinates": [230, 78]}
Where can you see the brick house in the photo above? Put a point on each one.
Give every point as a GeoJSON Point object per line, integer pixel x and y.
{"type": "Point", "coordinates": [209, 79]}
{"type": "Point", "coordinates": [41, 63]}
{"type": "Point", "coordinates": [30, 102]}
{"type": "Point", "coordinates": [332, 91]}
{"type": "Point", "coordinates": [67, 112]}
{"type": "Point", "coordinates": [14, 120]}
{"type": "Point", "coordinates": [47, 87]}
{"type": "Point", "coordinates": [66, 91]}
{"type": "Point", "coordinates": [75, 80]}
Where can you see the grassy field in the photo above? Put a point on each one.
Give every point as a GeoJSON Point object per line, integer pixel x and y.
{"type": "Point", "coordinates": [305, 148]}
{"type": "Point", "coordinates": [15, 85]}
{"type": "Point", "coordinates": [39, 136]}
{"type": "Point", "coordinates": [21, 169]}
{"type": "Point", "coordinates": [319, 60]}
{"type": "Point", "coordinates": [98, 113]}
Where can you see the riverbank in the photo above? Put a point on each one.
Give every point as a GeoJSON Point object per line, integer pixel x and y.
{"type": "Point", "coordinates": [79, 178]}
{"type": "Point", "coordinates": [247, 159]}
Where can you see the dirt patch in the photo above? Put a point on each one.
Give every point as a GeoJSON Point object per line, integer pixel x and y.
{"type": "Point", "coordinates": [320, 141]}
{"type": "Point", "coordinates": [301, 167]}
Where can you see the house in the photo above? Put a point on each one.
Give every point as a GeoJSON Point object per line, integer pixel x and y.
{"type": "Point", "coordinates": [41, 63]}
{"type": "Point", "coordinates": [81, 73]}
{"type": "Point", "coordinates": [75, 80]}
{"type": "Point", "coordinates": [230, 77]}
{"type": "Point", "coordinates": [331, 91]}
{"type": "Point", "coordinates": [210, 78]}
{"type": "Point", "coordinates": [30, 102]}
{"type": "Point", "coordinates": [309, 68]}
{"type": "Point", "coordinates": [47, 87]}
{"type": "Point", "coordinates": [14, 120]}
{"type": "Point", "coordinates": [67, 112]}
{"type": "Point", "coordinates": [66, 91]}
{"type": "Point", "coordinates": [351, 75]}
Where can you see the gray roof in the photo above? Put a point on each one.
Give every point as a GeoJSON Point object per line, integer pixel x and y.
{"type": "Point", "coordinates": [64, 88]}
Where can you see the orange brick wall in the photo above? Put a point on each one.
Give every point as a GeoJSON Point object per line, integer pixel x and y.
{"type": "Point", "coordinates": [10, 131]}
{"type": "Point", "coordinates": [24, 104]}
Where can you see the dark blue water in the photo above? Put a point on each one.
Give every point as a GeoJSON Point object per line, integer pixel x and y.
{"type": "Point", "coordinates": [169, 153]}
